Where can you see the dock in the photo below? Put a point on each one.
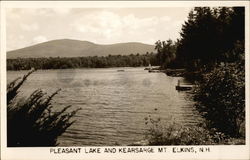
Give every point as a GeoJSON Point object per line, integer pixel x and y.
{"type": "Point", "coordinates": [153, 71]}
{"type": "Point", "coordinates": [182, 87]}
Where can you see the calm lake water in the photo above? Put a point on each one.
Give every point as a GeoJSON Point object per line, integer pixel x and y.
{"type": "Point", "coordinates": [114, 104]}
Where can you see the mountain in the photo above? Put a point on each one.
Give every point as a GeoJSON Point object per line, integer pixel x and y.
{"type": "Point", "coordinates": [76, 48]}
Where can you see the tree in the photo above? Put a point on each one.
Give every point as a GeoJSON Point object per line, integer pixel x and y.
{"type": "Point", "coordinates": [166, 52]}
{"type": "Point", "coordinates": [32, 121]}
{"type": "Point", "coordinates": [208, 34]}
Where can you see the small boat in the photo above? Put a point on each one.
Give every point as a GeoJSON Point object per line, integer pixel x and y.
{"type": "Point", "coordinates": [180, 87]}
{"type": "Point", "coordinates": [152, 70]}
{"type": "Point", "coordinates": [120, 70]}
{"type": "Point", "coordinates": [149, 67]}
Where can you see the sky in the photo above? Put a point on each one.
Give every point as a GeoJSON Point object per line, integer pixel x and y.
{"type": "Point", "coordinates": [29, 26]}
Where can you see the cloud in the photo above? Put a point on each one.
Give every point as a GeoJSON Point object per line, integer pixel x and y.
{"type": "Point", "coordinates": [102, 23]}
{"type": "Point", "coordinates": [106, 26]}
{"type": "Point", "coordinates": [109, 24]}
{"type": "Point", "coordinates": [39, 39]}
{"type": "Point", "coordinates": [29, 27]}
{"type": "Point", "coordinates": [99, 25]}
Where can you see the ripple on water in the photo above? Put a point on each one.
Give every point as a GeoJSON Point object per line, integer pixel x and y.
{"type": "Point", "coordinates": [114, 104]}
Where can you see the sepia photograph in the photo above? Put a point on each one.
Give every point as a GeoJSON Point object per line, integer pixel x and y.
{"type": "Point", "coordinates": [125, 77]}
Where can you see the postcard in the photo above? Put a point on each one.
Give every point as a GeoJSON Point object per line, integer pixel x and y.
{"type": "Point", "coordinates": [124, 80]}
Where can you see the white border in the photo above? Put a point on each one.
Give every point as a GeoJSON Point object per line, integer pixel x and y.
{"type": "Point", "coordinates": [39, 153]}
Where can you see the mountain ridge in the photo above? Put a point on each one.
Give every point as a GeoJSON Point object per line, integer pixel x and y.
{"type": "Point", "coordinates": [78, 48]}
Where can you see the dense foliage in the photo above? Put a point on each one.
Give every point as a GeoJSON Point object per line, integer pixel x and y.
{"type": "Point", "coordinates": [82, 62]}
{"type": "Point", "coordinates": [220, 96]}
{"type": "Point", "coordinates": [206, 38]}
{"type": "Point", "coordinates": [174, 134]}
{"type": "Point", "coordinates": [166, 53]}
{"type": "Point", "coordinates": [221, 99]}
{"type": "Point", "coordinates": [32, 121]}
{"type": "Point", "coordinates": [210, 34]}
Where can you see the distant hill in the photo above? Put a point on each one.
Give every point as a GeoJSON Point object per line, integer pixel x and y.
{"type": "Point", "coordinates": [76, 48]}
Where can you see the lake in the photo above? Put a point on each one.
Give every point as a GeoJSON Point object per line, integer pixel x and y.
{"type": "Point", "coordinates": [114, 104]}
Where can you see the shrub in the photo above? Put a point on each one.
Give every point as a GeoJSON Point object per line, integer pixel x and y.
{"type": "Point", "coordinates": [220, 98]}
{"type": "Point", "coordinates": [31, 121]}
{"type": "Point", "coordinates": [174, 134]}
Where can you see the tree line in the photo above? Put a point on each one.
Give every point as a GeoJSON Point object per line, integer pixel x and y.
{"type": "Point", "coordinates": [131, 60]}
{"type": "Point", "coordinates": [209, 36]}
